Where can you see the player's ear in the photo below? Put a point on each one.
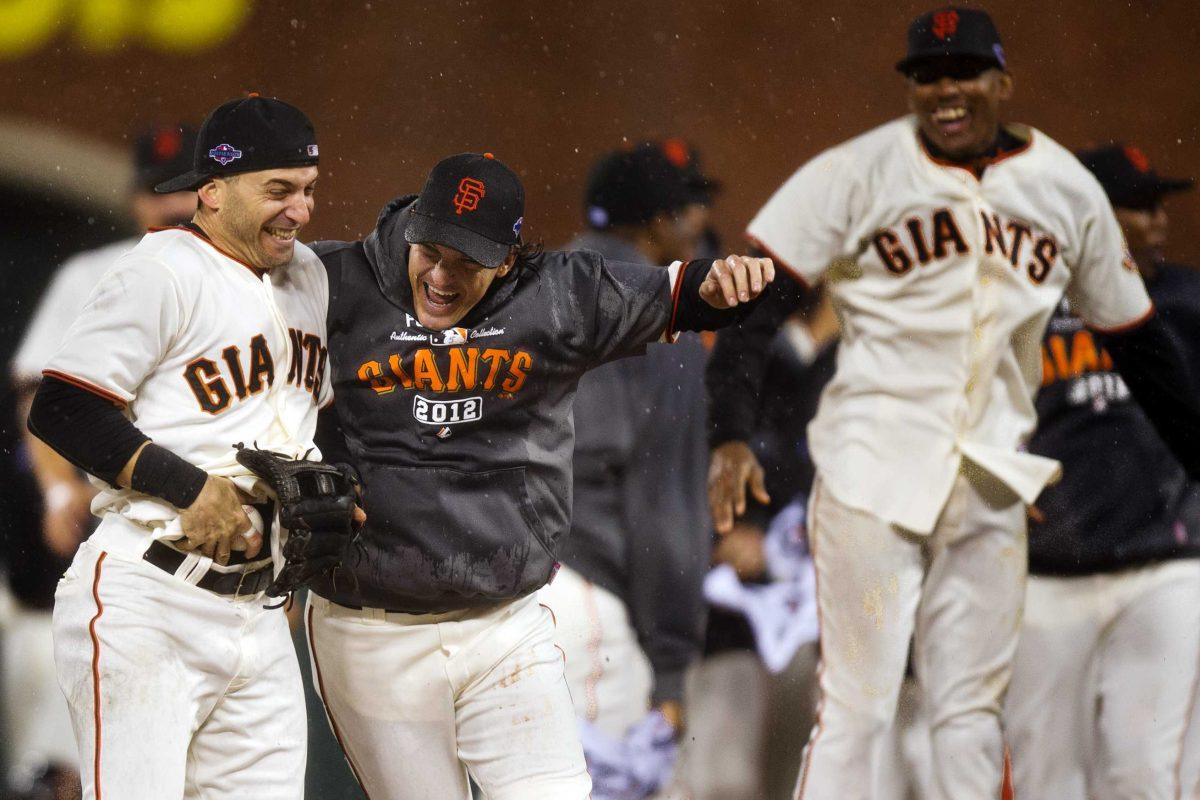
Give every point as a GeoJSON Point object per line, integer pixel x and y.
{"type": "Point", "coordinates": [507, 266]}
{"type": "Point", "coordinates": [1006, 86]}
{"type": "Point", "coordinates": [211, 195]}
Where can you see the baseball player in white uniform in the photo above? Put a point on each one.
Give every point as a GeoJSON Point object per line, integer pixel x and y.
{"type": "Point", "coordinates": [947, 240]}
{"type": "Point", "coordinates": [38, 722]}
{"type": "Point", "coordinates": [181, 682]}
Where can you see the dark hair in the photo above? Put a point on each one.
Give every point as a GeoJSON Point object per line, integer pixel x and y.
{"type": "Point", "coordinates": [529, 250]}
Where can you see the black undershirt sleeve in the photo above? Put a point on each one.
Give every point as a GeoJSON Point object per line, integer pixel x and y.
{"type": "Point", "coordinates": [693, 314]}
{"type": "Point", "coordinates": [1151, 361]}
{"type": "Point", "coordinates": [84, 428]}
{"type": "Point", "coordinates": [734, 376]}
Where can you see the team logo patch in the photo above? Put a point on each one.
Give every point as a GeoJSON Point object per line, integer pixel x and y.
{"type": "Point", "coordinates": [449, 336]}
{"type": "Point", "coordinates": [224, 154]}
{"type": "Point", "coordinates": [1137, 158]}
{"type": "Point", "coordinates": [312, 150]}
{"type": "Point", "coordinates": [517, 226]}
{"type": "Point", "coordinates": [677, 152]}
{"type": "Point", "coordinates": [945, 23]}
{"type": "Point", "coordinates": [470, 192]}
{"type": "Point", "coordinates": [447, 412]}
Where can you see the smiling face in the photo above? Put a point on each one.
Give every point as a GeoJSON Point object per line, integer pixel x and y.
{"type": "Point", "coordinates": [957, 103]}
{"type": "Point", "coordinates": [446, 284]}
{"type": "Point", "coordinates": [255, 216]}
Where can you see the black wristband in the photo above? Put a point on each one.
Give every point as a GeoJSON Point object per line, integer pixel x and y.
{"type": "Point", "coordinates": [161, 473]}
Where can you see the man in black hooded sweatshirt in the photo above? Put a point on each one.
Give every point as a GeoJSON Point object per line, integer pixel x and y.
{"type": "Point", "coordinates": [455, 352]}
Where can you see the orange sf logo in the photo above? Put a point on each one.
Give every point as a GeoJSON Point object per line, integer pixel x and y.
{"type": "Point", "coordinates": [1137, 158]}
{"type": "Point", "coordinates": [945, 23]}
{"type": "Point", "coordinates": [470, 190]}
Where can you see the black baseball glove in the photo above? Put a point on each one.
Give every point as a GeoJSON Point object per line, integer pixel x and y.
{"type": "Point", "coordinates": [316, 507]}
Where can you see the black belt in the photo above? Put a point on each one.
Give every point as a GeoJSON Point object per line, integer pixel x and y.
{"type": "Point", "coordinates": [168, 559]}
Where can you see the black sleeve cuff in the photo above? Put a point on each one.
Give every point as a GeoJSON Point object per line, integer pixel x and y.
{"type": "Point", "coordinates": [690, 312]}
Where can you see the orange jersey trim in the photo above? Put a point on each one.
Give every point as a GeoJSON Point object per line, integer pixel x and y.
{"type": "Point", "coordinates": [1128, 326]}
{"type": "Point", "coordinates": [85, 385]}
{"type": "Point", "coordinates": [337, 732]}
{"type": "Point", "coordinates": [96, 671]}
{"type": "Point", "coordinates": [676, 291]}
{"type": "Point", "coordinates": [795, 273]}
{"type": "Point", "coordinates": [976, 167]}
{"type": "Point", "coordinates": [258, 273]}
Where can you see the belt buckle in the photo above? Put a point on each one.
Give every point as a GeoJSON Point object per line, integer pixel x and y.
{"type": "Point", "coordinates": [237, 592]}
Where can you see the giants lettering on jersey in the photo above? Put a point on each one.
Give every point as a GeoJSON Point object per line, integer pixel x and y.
{"type": "Point", "coordinates": [919, 241]}
{"type": "Point", "coordinates": [449, 369]}
{"type": "Point", "coordinates": [207, 379]}
{"type": "Point", "coordinates": [1076, 357]}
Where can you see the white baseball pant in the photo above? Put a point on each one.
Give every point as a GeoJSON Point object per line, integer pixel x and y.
{"type": "Point", "coordinates": [1104, 683]}
{"type": "Point", "coordinates": [176, 692]}
{"type": "Point", "coordinates": [418, 700]}
{"type": "Point", "coordinates": [607, 672]}
{"type": "Point", "coordinates": [960, 590]}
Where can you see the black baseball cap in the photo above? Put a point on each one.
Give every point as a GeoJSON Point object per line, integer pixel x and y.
{"type": "Point", "coordinates": [247, 135]}
{"type": "Point", "coordinates": [632, 187]}
{"type": "Point", "coordinates": [953, 31]}
{"type": "Point", "coordinates": [473, 203]}
{"type": "Point", "coordinates": [160, 153]}
{"type": "Point", "coordinates": [1127, 177]}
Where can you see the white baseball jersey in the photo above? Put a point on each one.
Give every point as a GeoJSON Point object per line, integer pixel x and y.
{"type": "Point", "coordinates": [60, 305]}
{"type": "Point", "coordinates": [203, 352]}
{"type": "Point", "coordinates": [944, 283]}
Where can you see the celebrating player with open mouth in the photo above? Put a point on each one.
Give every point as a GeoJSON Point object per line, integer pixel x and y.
{"type": "Point", "coordinates": [456, 350]}
{"type": "Point", "coordinates": [947, 240]}
{"type": "Point", "coordinates": [181, 683]}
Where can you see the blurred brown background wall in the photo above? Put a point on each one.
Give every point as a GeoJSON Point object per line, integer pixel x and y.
{"type": "Point", "coordinates": [758, 86]}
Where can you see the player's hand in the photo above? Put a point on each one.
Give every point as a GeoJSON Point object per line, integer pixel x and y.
{"type": "Point", "coordinates": [216, 523]}
{"type": "Point", "coordinates": [742, 549]}
{"type": "Point", "coordinates": [731, 468]}
{"type": "Point", "coordinates": [65, 516]}
{"type": "Point", "coordinates": [736, 279]}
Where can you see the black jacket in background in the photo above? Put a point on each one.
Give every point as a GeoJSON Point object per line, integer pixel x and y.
{"type": "Point", "coordinates": [1124, 500]}
{"type": "Point", "coordinates": [641, 527]}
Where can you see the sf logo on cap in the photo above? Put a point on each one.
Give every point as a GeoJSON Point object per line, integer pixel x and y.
{"type": "Point", "coordinates": [470, 190]}
{"type": "Point", "coordinates": [224, 153]}
{"type": "Point", "coordinates": [945, 23]}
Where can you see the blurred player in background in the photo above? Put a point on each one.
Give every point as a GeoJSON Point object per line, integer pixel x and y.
{"type": "Point", "coordinates": [38, 723]}
{"type": "Point", "coordinates": [627, 602]}
{"type": "Point", "coordinates": [946, 239]}
{"type": "Point", "coordinates": [744, 721]}
{"type": "Point", "coordinates": [1108, 661]}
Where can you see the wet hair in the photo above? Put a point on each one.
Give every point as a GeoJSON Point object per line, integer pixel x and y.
{"type": "Point", "coordinates": [527, 251]}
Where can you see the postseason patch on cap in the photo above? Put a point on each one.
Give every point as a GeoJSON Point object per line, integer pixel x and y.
{"type": "Point", "coordinates": [312, 150]}
{"type": "Point", "coordinates": [224, 154]}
